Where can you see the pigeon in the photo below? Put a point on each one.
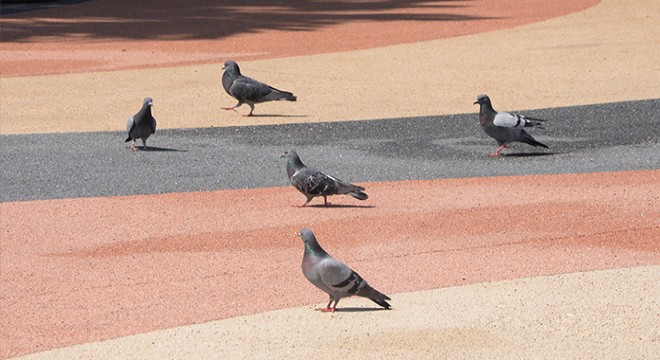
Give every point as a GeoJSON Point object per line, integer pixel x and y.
{"type": "Point", "coordinates": [247, 90]}
{"type": "Point", "coordinates": [141, 125]}
{"type": "Point", "coordinates": [312, 182]}
{"type": "Point", "coordinates": [506, 127]}
{"type": "Point", "coordinates": [333, 276]}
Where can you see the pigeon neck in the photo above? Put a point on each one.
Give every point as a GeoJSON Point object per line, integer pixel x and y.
{"type": "Point", "coordinates": [293, 164]}
{"type": "Point", "coordinates": [233, 71]}
{"type": "Point", "coordinates": [486, 112]}
{"type": "Point", "coordinates": [144, 112]}
{"type": "Point", "coordinates": [314, 250]}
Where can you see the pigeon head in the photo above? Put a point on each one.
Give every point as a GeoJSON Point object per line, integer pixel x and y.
{"type": "Point", "coordinates": [293, 162]}
{"type": "Point", "coordinates": [148, 102]}
{"type": "Point", "coordinates": [290, 154]}
{"type": "Point", "coordinates": [482, 99]}
{"type": "Point", "coordinates": [311, 245]}
{"type": "Point", "coordinates": [231, 66]}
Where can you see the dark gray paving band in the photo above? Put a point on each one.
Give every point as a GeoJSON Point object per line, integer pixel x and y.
{"type": "Point", "coordinates": [592, 138]}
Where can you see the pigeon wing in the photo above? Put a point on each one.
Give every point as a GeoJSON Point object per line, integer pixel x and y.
{"type": "Point", "coordinates": [153, 125]}
{"type": "Point", "coordinates": [130, 124]}
{"type": "Point", "coordinates": [314, 182]}
{"type": "Point", "coordinates": [338, 277]}
{"type": "Point", "coordinates": [247, 89]}
{"type": "Point", "coordinates": [509, 120]}
{"type": "Point", "coordinates": [343, 282]}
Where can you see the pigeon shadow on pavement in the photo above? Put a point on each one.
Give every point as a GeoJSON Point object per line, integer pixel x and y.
{"type": "Point", "coordinates": [277, 116]}
{"type": "Point", "coordinates": [528, 154]}
{"type": "Point", "coordinates": [341, 206]}
{"type": "Point", "coordinates": [360, 309]}
{"type": "Point", "coordinates": [155, 148]}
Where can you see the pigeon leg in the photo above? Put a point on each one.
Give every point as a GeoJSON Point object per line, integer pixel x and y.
{"type": "Point", "coordinates": [328, 308]}
{"type": "Point", "coordinates": [334, 308]}
{"type": "Point", "coordinates": [251, 109]}
{"type": "Point", "coordinates": [309, 198]}
{"type": "Point", "coordinates": [144, 143]}
{"type": "Point", "coordinates": [233, 107]}
{"type": "Point", "coordinates": [325, 200]}
{"type": "Point", "coordinates": [496, 153]}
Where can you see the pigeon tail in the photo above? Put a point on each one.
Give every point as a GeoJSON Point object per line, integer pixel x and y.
{"type": "Point", "coordinates": [129, 138]}
{"type": "Point", "coordinates": [375, 296]}
{"type": "Point", "coordinates": [381, 301]}
{"type": "Point", "coordinates": [359, 195]}
{"type": "Point", "coordinates": [534, 122]}
{"type": "Point", "coordinates": [528, 139]}
{"type": "Point", "coordinates": [277, 94]}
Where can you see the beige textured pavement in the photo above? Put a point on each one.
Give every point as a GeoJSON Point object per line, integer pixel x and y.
{"type": "Point", "coordinates": [611, 314]}
{"type": "Point", "coordinates": [606, 53]}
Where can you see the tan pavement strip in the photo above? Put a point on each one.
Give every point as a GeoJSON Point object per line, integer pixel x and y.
{"type": "Point", "coordinates": [609, 314]}
{"type": "Point", "coordinates": [604, 54]}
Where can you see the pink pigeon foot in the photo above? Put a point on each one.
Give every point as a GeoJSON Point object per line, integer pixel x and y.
{"type": "Point", "coordinates": [496, 153]}
{"type": "Point", "coordinates": [326, 309]}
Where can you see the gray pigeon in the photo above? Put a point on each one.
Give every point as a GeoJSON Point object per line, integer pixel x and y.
{"type": "Point", "coordinates": [141, 125]}
{"type": "Point", "coordinates": [312, 182]}
{"type": "Point", "coordinates": [247, 90]}
{"type": "Point", "coordinates": [333, 276]}
{"type": "Point", "coordinates": [506, 127]}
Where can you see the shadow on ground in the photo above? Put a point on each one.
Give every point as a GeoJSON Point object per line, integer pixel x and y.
{"type": "Point", "coordinates": [209, 19]}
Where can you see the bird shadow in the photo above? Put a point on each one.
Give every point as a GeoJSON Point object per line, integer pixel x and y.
{"type": "Point", "coordinates": [161, 149]}
{"type": "Point", "coordinates": [341, 206]}
{"type": "Point", "coordinates": [360, 309]}
{"type": "Point", "coordinates": [528, 154]}
{"type": "Point", "coordinates": [276, 116]}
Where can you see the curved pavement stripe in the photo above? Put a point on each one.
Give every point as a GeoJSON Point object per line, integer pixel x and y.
{"type": "Point", "coordinates": [81, 270]}
{"type": "Point", "coordinates": [605, 137]}
{"type": "Point", "coordinates": [582, 58]}
{"type": "Point", "coordinates": [547, 324]}
{"type": "Point", "coordinates": [116, 34]}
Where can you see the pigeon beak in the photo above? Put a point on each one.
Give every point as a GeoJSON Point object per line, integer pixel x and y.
{"type": "Point", "coordinates": [476, 102]}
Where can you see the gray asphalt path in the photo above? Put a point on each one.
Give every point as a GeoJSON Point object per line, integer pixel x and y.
{"type": "Point", "coordinates": [592, 138]}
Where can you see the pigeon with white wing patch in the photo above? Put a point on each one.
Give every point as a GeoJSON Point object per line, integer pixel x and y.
{"type": "Point", "coordinates": [506, 127]}
{"type": "Point", "coordinates": [334, 277]}
{"type": "Point", "coordinates": [141, 125]}
{"type": "Point", "coordinates": [312, 182]}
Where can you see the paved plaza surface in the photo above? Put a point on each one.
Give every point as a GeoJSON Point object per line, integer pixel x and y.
{"type": "Point", "coordinates": [190, 250]}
